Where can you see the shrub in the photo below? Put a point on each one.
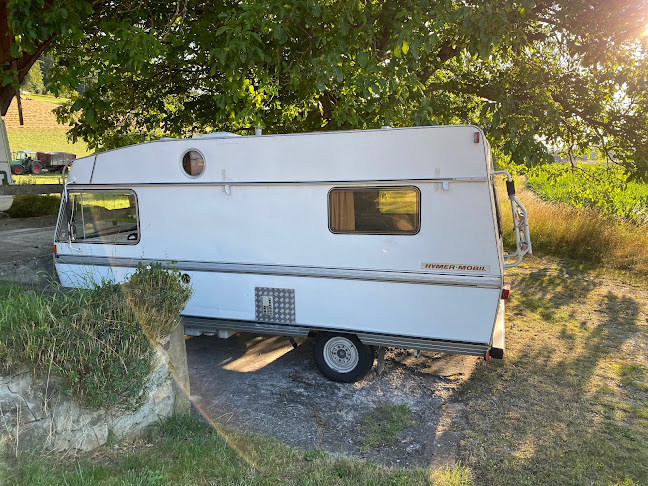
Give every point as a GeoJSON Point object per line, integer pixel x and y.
{"type": "Point", "coordinates": [29, 206]}
{"type": "Point", "coordinates": [605, 188]}
{"type": "Point", "coordinates": [156, 295]}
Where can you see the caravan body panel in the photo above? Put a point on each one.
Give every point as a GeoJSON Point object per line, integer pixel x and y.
{"type": "Point", "coordinates": [259, 217]}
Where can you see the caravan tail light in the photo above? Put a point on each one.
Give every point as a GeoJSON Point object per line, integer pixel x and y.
{"type": "Point", "coordinates": [506, 291]}
{"type": "Point", "coordinates": [476, 137]}
{"type": "Point", "coordinates": [54, 249]}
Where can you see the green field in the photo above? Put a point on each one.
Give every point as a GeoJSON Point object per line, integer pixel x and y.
{"type": "Point", "coordinates": [49, 99]}
{"type": "Point", "coordinates": [594, 186]}
{"type": "Point", "coordinates": [44, 140]}
{"type": "Point", "coordinates": [42, 178]}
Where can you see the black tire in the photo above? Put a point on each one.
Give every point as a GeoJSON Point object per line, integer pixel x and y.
{"type": "Point", "coordinates": [36, 168]}
{"type": "Point", "coordinates": [17, 169]}
{"type": "Point", "coordinates": [342, 357]}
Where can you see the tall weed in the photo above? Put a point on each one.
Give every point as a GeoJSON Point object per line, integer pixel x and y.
{"type": "Point", "coordinates": [29, 206]}
{"type": "Point", "coordinates": [584, 234]}
{"type": "Point", "coordinates": [99, 341]}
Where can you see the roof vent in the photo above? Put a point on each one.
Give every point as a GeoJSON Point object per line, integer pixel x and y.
{"type": "Point", "coordinates": [220, 135]}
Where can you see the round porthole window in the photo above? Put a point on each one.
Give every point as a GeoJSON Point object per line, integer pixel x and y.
{"type": "Point", "coordinates": [193, 163]}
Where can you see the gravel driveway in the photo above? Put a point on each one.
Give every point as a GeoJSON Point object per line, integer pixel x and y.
{"type": "Point", "coordinates": [262, 384]}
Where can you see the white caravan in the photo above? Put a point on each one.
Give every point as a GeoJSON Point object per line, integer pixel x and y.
{"type": "Point", "coordinates": [362, 239]}
{"type": "Point", "coordinates": [5, 166]}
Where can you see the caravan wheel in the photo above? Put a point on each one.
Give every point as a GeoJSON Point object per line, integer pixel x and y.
{"type": "Point", "coordinates": [342, 357]}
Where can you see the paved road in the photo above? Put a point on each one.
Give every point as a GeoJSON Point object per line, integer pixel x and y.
{"type": "Point", "coordinates": [26, 249]}
{"type": "Point", "coordinates": [18, 244]}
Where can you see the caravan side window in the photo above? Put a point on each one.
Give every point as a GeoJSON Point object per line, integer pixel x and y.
{"type": "Point", "coordinates": [100, 217]}
{"type": "Point", "coordinates": [375, 210]}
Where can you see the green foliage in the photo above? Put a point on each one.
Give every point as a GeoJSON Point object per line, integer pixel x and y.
{"type": "Point", "coordinates": [568, 73]}
{"type": "Point", "coordinates": [29, 206]}
{"type": "Point", "coordinates": [98, 341]}
{"type": "Point", "coordinates": [603, 187]}
{"type": "Point", "coordinates": [382, 425]}
{"type": "Point", "coordinates": [33, 82]}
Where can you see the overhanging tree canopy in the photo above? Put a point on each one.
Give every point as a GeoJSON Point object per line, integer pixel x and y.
{"type": "Point", "coordinates": [572, 73]}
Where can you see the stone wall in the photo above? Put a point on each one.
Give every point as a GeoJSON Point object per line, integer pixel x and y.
{"type": "Point", "coordinates": [34, 414]}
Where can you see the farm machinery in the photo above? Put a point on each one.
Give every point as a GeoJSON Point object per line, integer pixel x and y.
{"type": "Point", "coordinates": [30, 162]}
{"type": "Point", "coordinates": [25, 162]}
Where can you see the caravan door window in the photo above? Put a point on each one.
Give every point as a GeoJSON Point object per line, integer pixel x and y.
{"type": "Point", "coordinates": [100, 217]}
{"type": "Point", "coordinates": [375, 210]}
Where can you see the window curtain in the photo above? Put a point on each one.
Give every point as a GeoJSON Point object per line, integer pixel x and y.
{"type": "Point", "coordinates": [342, 211]}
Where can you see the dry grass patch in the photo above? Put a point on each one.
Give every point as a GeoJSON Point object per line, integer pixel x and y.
{"type": "Point", "coordinates": [567, 405]}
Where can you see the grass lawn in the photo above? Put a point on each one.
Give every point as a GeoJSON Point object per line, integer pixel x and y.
{"type": "Point", "coordinates": [50, 99]}
{"type": "Point", "coordinates": [44, 140]}
{"type": "Point", "coordinates": [42, 178]}
{"type": "Point", "coordinates": [185, 452]}
{"type": "Point", "coordinates": [569, 403]}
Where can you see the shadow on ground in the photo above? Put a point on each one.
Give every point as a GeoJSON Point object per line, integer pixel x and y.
{"type": "Point", "coordinates": [558, 411]}
{"type": "Point", "coordinates": [262, 384]}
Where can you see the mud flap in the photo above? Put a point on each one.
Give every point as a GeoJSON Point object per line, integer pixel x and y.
{"type": "Point", "coordinates": [380, 367]}
{"type": "Point", "coordinates": [497, 341]}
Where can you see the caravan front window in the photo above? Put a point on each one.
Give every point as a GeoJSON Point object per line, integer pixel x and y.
{"type": "Point", "coordinates": [100, 217]}
{"type": "Point", "coordinates": [375, 210]}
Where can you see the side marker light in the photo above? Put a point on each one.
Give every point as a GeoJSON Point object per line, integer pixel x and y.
{"type": "Point", "coordinates": [506, 291]}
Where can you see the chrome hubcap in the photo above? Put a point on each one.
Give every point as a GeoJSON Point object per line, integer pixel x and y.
{"type": "Point", "coordinates": [340, 354]}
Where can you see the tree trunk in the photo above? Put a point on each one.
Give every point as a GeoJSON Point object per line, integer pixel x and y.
{"type": "Point", "coordinates": [22, 64]}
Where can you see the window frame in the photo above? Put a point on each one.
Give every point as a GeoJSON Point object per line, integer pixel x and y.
{"type": "Point", "coordinates": [375, 188]}
{"type": "Point", "coordinates": [182, 163]}
{"type": "Point", "coordinates": [64, 217]}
